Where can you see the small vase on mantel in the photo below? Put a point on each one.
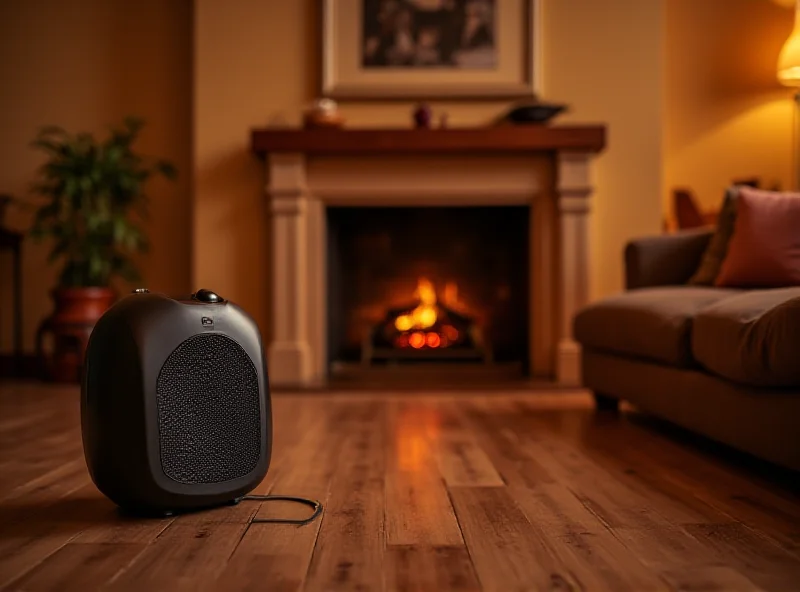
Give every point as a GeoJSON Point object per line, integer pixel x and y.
{"type": "Point", "coordinates": [423, 115]}
{"type": "Point", "coordinates": [323, 114]}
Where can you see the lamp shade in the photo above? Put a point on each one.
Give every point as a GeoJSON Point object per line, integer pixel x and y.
{"type": "Point", "coordinates": [789, 58]}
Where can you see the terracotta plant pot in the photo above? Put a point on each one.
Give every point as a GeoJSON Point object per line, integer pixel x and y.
{"type": "Point", "coordinates": [76, 312]}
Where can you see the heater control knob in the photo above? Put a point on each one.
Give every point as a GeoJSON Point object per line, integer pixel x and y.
{"type": "Point", "coordinates": [207, 296]}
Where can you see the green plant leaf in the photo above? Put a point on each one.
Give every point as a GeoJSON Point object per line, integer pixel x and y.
{"type": "Point", "coordinates": [61, 247]}
{"type": "Point", "coordinates": [93, 191]}
{"type": "Point", "coordinates": [37, 233]}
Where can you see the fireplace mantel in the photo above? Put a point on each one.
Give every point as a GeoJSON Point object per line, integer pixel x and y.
{"type": "Point", "coordinates": [507, 139]}
{"type": "Point", "coordinates": [545, 167]}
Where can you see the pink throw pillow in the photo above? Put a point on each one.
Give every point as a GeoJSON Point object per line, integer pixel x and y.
{"type": "Point", "coordinates": [764, 251]}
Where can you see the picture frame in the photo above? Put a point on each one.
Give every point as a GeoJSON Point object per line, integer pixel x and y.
{"type": "Point", "coordinates": [489, 49]}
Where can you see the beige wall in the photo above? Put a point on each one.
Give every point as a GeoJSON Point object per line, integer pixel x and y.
{"type": "Point", "coordinates": [256, 64]}
{"type": "Point", "coordinates": [83, 65]}
{"type": "Point", "coordinates": [605, 58]}
{"type": "Point", "coordinates": [726, 115]}
{"type": "Point", "coordinates": [686, 88]}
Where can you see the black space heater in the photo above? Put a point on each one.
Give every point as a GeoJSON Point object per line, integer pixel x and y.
{"type": "Point", "coordinates": [175, 403]}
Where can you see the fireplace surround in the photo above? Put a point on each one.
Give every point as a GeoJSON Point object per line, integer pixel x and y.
{"type": "Point", "coordinates": [546, 169]}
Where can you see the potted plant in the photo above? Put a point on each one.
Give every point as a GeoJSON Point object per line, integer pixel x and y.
{"type": "Point", "coordinates": [93, 203]}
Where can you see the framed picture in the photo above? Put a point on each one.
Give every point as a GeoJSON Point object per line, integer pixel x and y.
{"type": "Point", "coordinates": [426, 49]}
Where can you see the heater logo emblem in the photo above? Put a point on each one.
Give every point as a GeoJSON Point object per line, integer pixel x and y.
{"type": "Point", "coordinates": [207, 321]}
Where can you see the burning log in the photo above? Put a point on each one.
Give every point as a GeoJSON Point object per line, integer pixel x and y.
{"type": "Point", "coordinates": [425, 329]}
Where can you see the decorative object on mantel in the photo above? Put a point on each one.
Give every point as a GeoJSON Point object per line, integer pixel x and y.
{"type": "Point", "coordinates": [423, 115]}
{"type": "Point", "coordinates": [91, 190]}
{"type": "Point", "coordinates": [532, 113]}
{"type": "Point", "coordinates": [323, 113]}
{"type": "Point", "coordinates": [373, 49]}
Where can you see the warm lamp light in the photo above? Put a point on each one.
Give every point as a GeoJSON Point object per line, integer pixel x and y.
{"type": "Point", "coordinates": [789, 61]}
{"type": "Point", "coordinates": [789, 75]}
{"type": "Point", "coordinates": [789, 58]}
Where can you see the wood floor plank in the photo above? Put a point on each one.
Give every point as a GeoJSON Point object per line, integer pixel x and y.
{"type": "Point", "coordinates": [417, 568]}
{"type": "Point", "coordinates": [710, 578]}
{"type": "Point", "coordinates": [80, 567]}
{"type": "Point", "coordinates": [21, 553]}
{"type": "Point", "coordinates": [123, 530]}
{"type": "Point", "coordinates": [747, 551]}
{"type": "Point", "coordinates": [515, 466]}
{"type": "Point", "coordinates": [36, 529]}
{"type": "Point", "coordinates": [462, 460]}
{"type": "Point", "coordinates": [585, 545]}
{"type": "Point", "coordinates": [349, 550]}
{"type": "Point", "coordinates": [275, 556]}
{"type": "Point", "coordinates": [507, 552]}
{"type": "Point", "coordinates": [580, 541]}
{"type": "Point", "coordinates": [422, 491]}
{"type": "Point", "coordinates": [184, 557]}
{"type": "Point", "coordinates": [62, 478]}
{"type": "Point", "coordinates": [723, 495]}
{"type": "Point", "coordinates": [418, 508]}
{"type": "Point", "coordinates": [601, 485]}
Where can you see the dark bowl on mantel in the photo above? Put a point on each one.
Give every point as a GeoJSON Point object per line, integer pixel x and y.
{"type": "Point", "coordinates": [533, 113]}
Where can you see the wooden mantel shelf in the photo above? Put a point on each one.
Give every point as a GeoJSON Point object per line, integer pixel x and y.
{"type": "Point", "coordinates": [531, 138]}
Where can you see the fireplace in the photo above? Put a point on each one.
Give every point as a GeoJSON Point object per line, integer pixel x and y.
{"type": "Point", "coordinates": [368, 226]}
{"type": "Point", "coordinates": [410, 285]}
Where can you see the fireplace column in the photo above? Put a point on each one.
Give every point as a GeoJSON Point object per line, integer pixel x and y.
{"type": "Point", "coordinates": [574, 190]}
{"type": "Point", "coordinates": [289, 353]}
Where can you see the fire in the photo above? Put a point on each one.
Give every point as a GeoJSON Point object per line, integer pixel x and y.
{"type": "Point", "coordinates": [416, 340]}
{"type": "Point", "coordinates": [424, 316]}
{"type": "Point", "coordinates": [429, 325]}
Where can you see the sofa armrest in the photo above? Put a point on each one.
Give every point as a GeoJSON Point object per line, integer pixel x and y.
{"type": "Point", "coordinates": [664, 260]}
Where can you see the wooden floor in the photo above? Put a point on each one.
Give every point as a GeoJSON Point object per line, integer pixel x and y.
{"type": "Point", "coordinates": [438, 492]}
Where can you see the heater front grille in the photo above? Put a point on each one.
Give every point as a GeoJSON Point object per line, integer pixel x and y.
{"type": "Point", "coordinates": [209, 414]}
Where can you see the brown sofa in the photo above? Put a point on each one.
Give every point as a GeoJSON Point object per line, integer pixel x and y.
{"type": "Point", "coordinates": [722, 362]}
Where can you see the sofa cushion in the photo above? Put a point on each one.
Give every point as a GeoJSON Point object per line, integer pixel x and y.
{"type": "Point", "coordinates": [650, 323]}
{"type": "Point", "coordinates": [752, 338]}
{"type": "Point", "coordinates": [714, 254]}
{"type": "Point", "coordinates": [764, 250]}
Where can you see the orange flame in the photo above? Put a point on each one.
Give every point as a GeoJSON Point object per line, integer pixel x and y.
{"type": "Point", "coordinates": [424, 315]}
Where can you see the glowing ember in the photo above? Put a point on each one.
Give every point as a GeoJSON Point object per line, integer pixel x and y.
{"type": "Point", "coordinates": [416, 340]}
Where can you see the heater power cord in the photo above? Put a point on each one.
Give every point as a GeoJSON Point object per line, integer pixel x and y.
{"type": "Point", "coordinates": [315, 505]}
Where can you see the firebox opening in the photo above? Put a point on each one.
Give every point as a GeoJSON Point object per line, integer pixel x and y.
{"type": "Point", "coordinates": [428, 284]}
